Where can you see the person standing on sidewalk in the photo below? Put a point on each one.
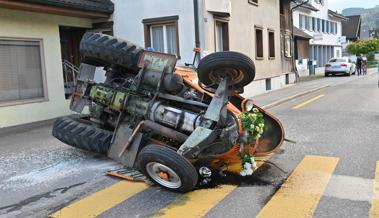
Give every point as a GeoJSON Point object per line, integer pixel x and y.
{"type": "Point", "coordinates": [359, 65]}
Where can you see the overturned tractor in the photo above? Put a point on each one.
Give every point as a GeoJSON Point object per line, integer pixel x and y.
{"type": "Point", "coordinates": [178, 126]}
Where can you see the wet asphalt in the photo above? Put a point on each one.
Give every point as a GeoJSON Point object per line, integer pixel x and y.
{"type": "Point", "coordinates": [39, 174]}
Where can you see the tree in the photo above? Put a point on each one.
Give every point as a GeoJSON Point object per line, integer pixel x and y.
{"type": "Point", "coordinates": [363, 46]}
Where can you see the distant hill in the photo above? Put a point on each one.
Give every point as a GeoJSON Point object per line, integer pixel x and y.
{"type": "Point", "coordinates": [353, 11]}
{"type": "Point", "coordinates": [370, 16]}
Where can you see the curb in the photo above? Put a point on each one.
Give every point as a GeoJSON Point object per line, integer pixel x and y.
{"type": "Point", "coordinates": [279, 102]}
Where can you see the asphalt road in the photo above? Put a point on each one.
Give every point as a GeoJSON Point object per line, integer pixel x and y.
{"type": "Point", "coordinates": [39, 175]}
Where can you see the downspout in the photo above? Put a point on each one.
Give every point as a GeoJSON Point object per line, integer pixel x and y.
{"type": "Point", "coordinates": [293, 41]}
{"type": "Point", "coordinates": [196, 18]}
{"type": "Point", "coordinates": [197, 31]}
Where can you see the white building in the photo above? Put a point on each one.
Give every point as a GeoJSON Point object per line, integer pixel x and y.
{"type": "Point", "coordinates": [325, 26]}
{"type": "Point", "coordinates": [252, 27]}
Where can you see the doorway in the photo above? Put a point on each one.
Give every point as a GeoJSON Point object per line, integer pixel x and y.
{"type": "Point", "coordinates": [70, 40]}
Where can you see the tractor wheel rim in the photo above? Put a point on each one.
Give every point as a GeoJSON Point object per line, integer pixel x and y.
{"type": "Point", "coordinates": [155, 171]}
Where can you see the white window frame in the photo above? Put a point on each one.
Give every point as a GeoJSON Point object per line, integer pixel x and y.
{"type": "Point", "coordinates": [164, 36]}
{"type": "Point", "coordinates": [43, 72]}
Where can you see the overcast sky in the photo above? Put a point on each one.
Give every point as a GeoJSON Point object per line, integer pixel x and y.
{"type": "Point", "coordinates": [339, 5]}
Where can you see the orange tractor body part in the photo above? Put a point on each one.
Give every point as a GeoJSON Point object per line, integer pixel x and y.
{"type": "Point", "coordinates": [266, 145]}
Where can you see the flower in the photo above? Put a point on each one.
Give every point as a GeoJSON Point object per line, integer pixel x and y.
{"type": "Point", "coordinates": [249, 171]}
{"type": "Point", "coordinates": [255, 110]}
{"type": "Point", "coordinates": [243, 173]}
{"type": "Point", "coordinates": [247, 165]}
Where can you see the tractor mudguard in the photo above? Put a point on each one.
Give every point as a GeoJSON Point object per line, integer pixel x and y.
{"type": "Point", "coordinates": [273, 136]}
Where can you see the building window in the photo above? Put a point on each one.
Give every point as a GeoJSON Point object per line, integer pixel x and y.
{"type": "Point", "coordinates": [162, 34]}
{"type": "Point", "coordinates": [258, 43]}
{"type": "Point", "coordinates": [327, 26]}
{"type": "Point", "coordinates": [323, 26]}
{"type": "Point", "coordinates": [287, 46]}
{"type": "Point", "coordinates": [271, 44]}
{"type": "Point", "coordinates": [21, 70]}
{"type": "Point", "coordinates": [254, 2]}
{"type": "Point", "coordinates": [221, 35]}
{"type": "Point", "coordinates": [301, 23]}
{"type": "Point", "coordinates": [287, 79]}
{"type": "Point", "coordinates": [307, 22]}
{"type": "Point", "coordinates": [318, 25]}
{"type": "Point", "coordinates": [268, 84]}
{"type": "Point", "coordinates": [335, 28]}
{"type": "Point", "coordinates": [314, 24]}
{"type": "Point", "coordinates": [332, 27]}
{"type": "Point", "coordinates": [281, 7]}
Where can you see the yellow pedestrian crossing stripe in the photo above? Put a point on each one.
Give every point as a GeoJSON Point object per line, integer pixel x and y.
{"type": "Point", "coordinates": [299, 195]}
{"type": "Point", "coordinates": [374, 211]}
{"type": "Point", "coordinates": [101, 201]}
{"type": "Point", "coordinates": [196, 203]}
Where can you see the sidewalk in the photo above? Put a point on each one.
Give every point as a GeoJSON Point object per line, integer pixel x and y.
{"type": "Point", "coordinates": [276, 97]}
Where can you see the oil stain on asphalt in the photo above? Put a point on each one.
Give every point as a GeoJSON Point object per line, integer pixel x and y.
{"type": "Point", "coordinates": [50, 194]}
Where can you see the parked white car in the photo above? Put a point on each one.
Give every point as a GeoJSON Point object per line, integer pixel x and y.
{"type": "Point", "coordinates": [342, 65]}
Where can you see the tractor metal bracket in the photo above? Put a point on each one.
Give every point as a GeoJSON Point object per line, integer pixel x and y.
{"type": "Point", "coordinates": [202, 136]}
{"type": "Point", "coordinates": [121, 136]}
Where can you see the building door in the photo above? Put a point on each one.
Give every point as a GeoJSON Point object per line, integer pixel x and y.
{"type": "Point", "coordinates": [70, 39]}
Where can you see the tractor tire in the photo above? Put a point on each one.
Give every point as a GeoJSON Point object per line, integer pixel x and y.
{"type": "Point", "coordinates": [181, 174]}
{"type": "Point", "coordinates": [239, 68]}
{"type": "Point", "coordinates": [81, 134]}
{"type": "Point", "coordinates": [103, 50]}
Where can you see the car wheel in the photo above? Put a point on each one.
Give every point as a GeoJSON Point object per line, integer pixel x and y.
{"type": "Point", "coordinates": [326, 74]}
{"type": "Point", "coordinates": [167, 168]}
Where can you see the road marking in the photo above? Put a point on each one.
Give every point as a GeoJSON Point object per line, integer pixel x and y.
{"type": "Point", "coordinates": [307, 102]}
{"type": "Point", "coordinates": [196, 203]}
{"type": "Point", "coordinates": [301, 192]}
{"type": "Point", "coordinates": [101, 201]}
{"type": "Point", "coordinates": [374, 211]}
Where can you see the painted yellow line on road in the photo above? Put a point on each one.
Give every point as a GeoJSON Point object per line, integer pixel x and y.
{"type": "Point", "coordinates": [101, 201]}
{"type": "Point", "coordinates": [307, 102]}
{"type": "Point", "coordinates": [374, 211]}
{"type": "Point", "coordinates": [299, 195]}
{"type": "Point", "coordinates": [196, 203]}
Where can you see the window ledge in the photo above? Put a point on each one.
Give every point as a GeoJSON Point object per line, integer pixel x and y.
{"type": "Point", "coordinates": [26, 101]}
{"type": "Point", "coordinates": [258, 58]}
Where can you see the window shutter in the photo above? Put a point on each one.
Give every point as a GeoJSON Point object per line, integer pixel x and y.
{"type": "Point", "coordinates": [20, 70]}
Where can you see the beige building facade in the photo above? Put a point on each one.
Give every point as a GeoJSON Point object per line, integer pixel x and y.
{"type": "Point", "coordinates": [31, 52]}
{"type": "Point", "coordinates": [252, 27]}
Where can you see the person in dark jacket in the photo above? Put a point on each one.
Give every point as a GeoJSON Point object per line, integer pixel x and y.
{"type": "Point", "coordinates": [359, 65]}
